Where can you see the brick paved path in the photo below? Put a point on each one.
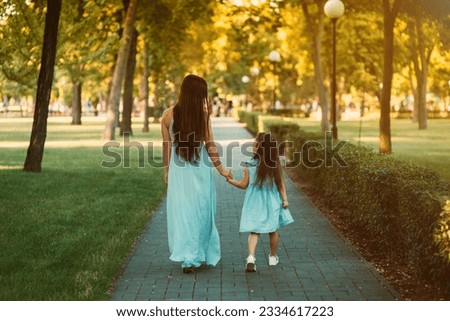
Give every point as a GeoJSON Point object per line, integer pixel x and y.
{"type": "Point", "coordinates": [316, 263]}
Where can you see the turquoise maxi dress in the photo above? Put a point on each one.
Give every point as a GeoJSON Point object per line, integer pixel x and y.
{"type": "Point", "coordinates": [191, 210]}
{"type": "Point", "coordinates": [262, 211]}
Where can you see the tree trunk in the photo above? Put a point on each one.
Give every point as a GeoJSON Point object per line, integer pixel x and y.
{"type": "Point", "coordinates": [113, 67]}
{"type": "Point", "coordinates": [323, 96]}
{"type": "Point", "coordinates": [76, 102]}
{"type": "Point", "coordinates": [119, 72]}
{"type": "Point", "coordinates": [128, 99]}
{"type": "Point", "coordinates": [422, 75]}
{"type": "Point", "coordinates": [317, 32]}
{"type": "Point", "coordinates": [385, 145]}
{"type": "Point", "coordinates": [76, 81]}
{"type": "Point", "coordinates": [422, 103]}
{"type": "Point", "coordinates": [158, 79]}
{"type": "Point", "coordinates": [414, 93]}
{"type": "Point", "coordinates": [143, 87]}
{"type": "Point", "coordinates": [35, 151]}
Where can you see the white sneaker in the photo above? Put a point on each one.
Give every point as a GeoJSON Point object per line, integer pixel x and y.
{"type": "Point", "coordinates": [250, 266]}
{"type": "Point", "coordinates": [273, 260]}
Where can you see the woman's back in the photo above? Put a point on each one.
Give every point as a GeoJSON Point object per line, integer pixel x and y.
{"type": "Point", "coordinates": [191, 117]}
{"type": "Point", "coordinates": [262, 211]}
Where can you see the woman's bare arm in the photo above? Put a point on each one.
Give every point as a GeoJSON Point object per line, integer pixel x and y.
{"type": "Point", "coordinates": [214, 154]}
{"type": "Point", "coordinates": [165, 123]}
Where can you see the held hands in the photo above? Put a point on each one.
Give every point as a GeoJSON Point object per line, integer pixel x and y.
{"type": "Point", "coordinates": [227, 174]}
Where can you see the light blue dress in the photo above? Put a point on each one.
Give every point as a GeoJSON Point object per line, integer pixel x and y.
{"type": "Point", "coordinates": [191, 210]}
{"type": "Point", "coordinates": [262, 211]}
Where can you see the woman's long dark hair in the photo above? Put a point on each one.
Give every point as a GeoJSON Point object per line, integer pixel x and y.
{"type": "Point", "coordinates": [269, 167]}
{"type": "Point", "coordinates": [191, 117]}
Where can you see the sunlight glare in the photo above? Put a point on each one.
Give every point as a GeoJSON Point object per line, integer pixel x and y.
{"type": "Point", "coordinates": [247, 3]}
{"type": "Point", "coordinates": [2, 167]}
{"type": "Point", "coordinates": [238, 3]}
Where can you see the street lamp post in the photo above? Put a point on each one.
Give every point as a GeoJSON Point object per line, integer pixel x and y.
{"type": "Point", "coordinates": [245, 80]}
{"type": "Point", "coordinates": [334, 9]}
{"type": "Point", "coordinates": [254, 71]}
{"type": "Point", "coordinates": [275, 57]}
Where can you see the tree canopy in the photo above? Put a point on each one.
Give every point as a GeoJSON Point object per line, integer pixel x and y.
{"type": "Point", "coordinates": [224, 41]}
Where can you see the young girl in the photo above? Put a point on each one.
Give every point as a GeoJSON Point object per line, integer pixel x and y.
{"type": "Point", "coordinates": [265, 204]}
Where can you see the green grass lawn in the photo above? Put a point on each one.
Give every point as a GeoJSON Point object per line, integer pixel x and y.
{"type": "Point", "coordinates": [430, 147]}
{"type": "Point", "coordinates": [65, 232]}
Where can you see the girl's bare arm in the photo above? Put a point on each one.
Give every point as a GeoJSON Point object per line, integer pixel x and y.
{"type": "Point", "coordinates": [243, 183]}
{"type": "Point", "coordinates": [284, 195]}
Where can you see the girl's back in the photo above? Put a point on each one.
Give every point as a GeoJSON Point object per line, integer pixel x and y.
{"type": "Point", "coordinates": [262, 211]}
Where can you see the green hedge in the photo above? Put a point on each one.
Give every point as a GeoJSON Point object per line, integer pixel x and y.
{"type": "Point", "coordinates": [398, 204]}
{"type": "Point", "coordinates": [281, 129]}
{"type": "Point", "coordinates": [442, 232]}
{"type": "Point", "coordinates": [250, 119]}
{"type": "Point", "coordinates": [294, 113]}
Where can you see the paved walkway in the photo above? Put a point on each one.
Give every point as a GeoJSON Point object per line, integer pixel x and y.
{"type": "Point", "coordinates": [316, 263]}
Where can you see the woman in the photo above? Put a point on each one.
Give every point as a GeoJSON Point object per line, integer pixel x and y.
{"type": "Point", "coordinates": [191, 195]}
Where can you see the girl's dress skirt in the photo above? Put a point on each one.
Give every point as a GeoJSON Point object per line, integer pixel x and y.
{"type": "Point", "coordinates": [262, 211]}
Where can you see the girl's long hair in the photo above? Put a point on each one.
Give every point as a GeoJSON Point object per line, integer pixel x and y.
{"type": "Point", "coordinates": [191, 117]}
{"type": "Point", "coordinates": [269, 167]}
